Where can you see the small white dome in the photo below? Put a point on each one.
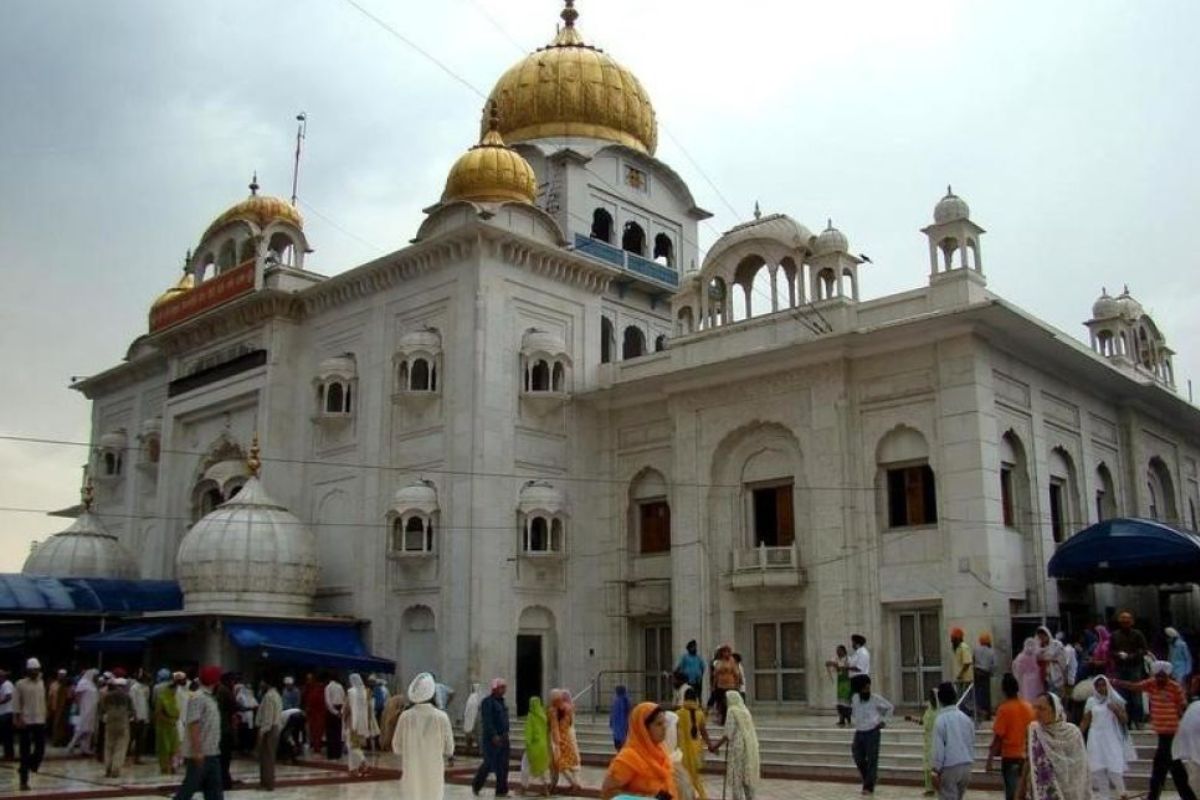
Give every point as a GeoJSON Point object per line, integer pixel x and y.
{"type": "Point", "coordinates": [951, 208]}
{"type": "Point", "coordinates": [831, 240]}
{"type": "Point", "coordinates": [1106, 306]}
{"type": "Point", "coordinates": [250, 554]}
{"type": "Point", "coordinates": [427, 339]}
{"type": "Point", "coordinates": [342, 366]}
{"type": "Point", "coordinates": [541, 496]}
{"type": "Point", "coordinates": [779, 228]}
{"type": "Point", "coordinates": [539, 341]}
{"type": "Point", "coordinates": [1130, 308]}
{"type": "Point", "coordinates": [114, 440]}
{"type": "Point", "coordinates": [84, 550]}
{"type": "Point", "coordinates": [420, 496]}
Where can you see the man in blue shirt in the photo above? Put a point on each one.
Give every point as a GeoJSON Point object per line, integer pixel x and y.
{"type": "Point", "coordinates": [953, 746]}
{"type": "Point", "coordinates": [493, 740]}
{"type": "Point", "coordinates": [691, 667]}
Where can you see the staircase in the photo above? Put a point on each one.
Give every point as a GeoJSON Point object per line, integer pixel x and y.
{"type": "Point", "coordinates": [814, 747]}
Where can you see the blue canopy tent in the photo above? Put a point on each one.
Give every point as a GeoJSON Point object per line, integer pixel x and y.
{"type": "Point", "coordinates": [1130, 552]}
{"type": "Point", "coordinates": [23, 595]}
{"type": "Point", "coordinates": [307, 644]}
{"type": "Point", "coordinates": [131, 638]}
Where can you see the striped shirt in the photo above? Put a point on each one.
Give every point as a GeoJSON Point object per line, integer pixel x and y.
{"type": "Point", "coordinates": [1166, 704]}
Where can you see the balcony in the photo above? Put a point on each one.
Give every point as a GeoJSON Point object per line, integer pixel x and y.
{"type": "Point", "coordinates": [762, 566]}
{"type": "Point", "coordinates": [642, 268]}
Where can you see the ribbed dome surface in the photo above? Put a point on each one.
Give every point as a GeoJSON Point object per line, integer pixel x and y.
{"type": "Point", "coordinates": [775, 227]}
{"type": "Point", "coordinates": [260, 209]}
{"type": "Point", "coordinates": [569, 89]}
{"type": "Point", "coordinates": [84, 550]}
{"type": "Point", "coordinates": [250, 554]}
{"type": "Point", "coordinates": [491, 172]}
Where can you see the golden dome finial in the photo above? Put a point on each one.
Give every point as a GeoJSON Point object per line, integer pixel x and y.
{"type": "Point", "coordinates": [491, 171]}
{"type": "Point", "coordinates": [88, 494]}
{"type": "Point", "coordinates": [254, 461]}
{"type": "Point", "coordinates": [569, 14]}
{"type": "Point", "coordinates": [254, 185]}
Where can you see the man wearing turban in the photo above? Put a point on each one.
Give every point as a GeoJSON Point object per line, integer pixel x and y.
{"type": "Point", "coordinates": [424, 741]}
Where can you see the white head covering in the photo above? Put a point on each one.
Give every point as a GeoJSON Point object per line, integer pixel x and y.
{"type": "Point", "coordinates": [289, 681]}
{"type": "Point", "coordinates": [1162, 668]}
{"type": "Point", "coordinates": [745, 766]}
{"type": "Point", "coordinates": [422, 688]}
{"type": "Point", "coordinates": [357, 699]}
{"type": "Point", "coordinates": [1171, 633]}
{"type": "Point", "coordinates": [33, 663]}
{"type": "Point", "coordinates": [1113, 695]}
{"type": "Point", "coordinates": [1064, 749]}
{"type": "Point", "coordinates": [1186, 746]}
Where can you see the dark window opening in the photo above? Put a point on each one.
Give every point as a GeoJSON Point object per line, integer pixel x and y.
{"type": "Point", "coordinates": [606, 340]}
{"type": "Point", "coordinates": [210, 500]}
{"type": "Point", "coordinates": [539, 377]}
{"type": "Point", "coordinates": [558, 377]}
{"type": "Point", "coordinates": [334, 398]}
{"type": "Point", "coordinates": [539, 535]}
{"type": "Point", "coordinates": [1058, 524]}
{"type": "Point", "coordinates": [660, 343]}
{"type": "Point", "coordinates": [1100, 505]}
{"type": "Point", "coordinates": [634, 343]}
{"type": "Point", "coordinates": [634, 239]}
{"type": "Point", "coordinates": [417, 539]}
{"type": "Point", "coordinates": [774, 521]}
{"type": "Point", "coordinates": [420, 376]}
{"type": "Point", "coordinates": [110, 464]}
{"type": "Point", "coordinates": [1006, 496]}
{"type": "Point", "coordinates": [912, 498]}
{"type": "Point", "coordinates": [654, 526]}
{"type": "Point", "coordinates": [602, 225]}
{"type": "Point", "coordinates": [664, 250]}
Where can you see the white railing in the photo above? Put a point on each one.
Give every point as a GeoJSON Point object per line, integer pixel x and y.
{"type": "Point", "coordinates": [763, 557]}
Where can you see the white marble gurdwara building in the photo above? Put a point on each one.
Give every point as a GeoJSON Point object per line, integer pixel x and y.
{"type": "Point", "coordinates": [548, 440]}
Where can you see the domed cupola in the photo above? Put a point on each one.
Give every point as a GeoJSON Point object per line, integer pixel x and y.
{"type": "Point", "coordinates": [259, 209]}
{"type": "Point", "coordinates": [491, 171]}
{"type": "Point", "coordinates": [950, 208]}
{"type": "Point", "coordinates": [250, 554]}
{"type": "Point", "coordinates": [831, 240]}
{"type": "Point", "coordinates": [84, 550]}
{"type": "Point", "coordinates": [1129, 308]}
{"type": "Point", "coordinates": [571, 89]}
{"type": "Point", "coordinates": [185, 284]}
{"type": "Point", "coordinates": [261, 229]}
{"type": "Point", "coordinates": [1106, 306]}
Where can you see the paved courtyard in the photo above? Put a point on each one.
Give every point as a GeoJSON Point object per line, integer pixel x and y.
{"type": "Point", "coordinates": [78, 779]}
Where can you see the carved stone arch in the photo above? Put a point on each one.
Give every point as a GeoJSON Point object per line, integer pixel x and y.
{"type": "Point", "coordinates": [332, 522]}
{"type": "Point", "coordinates": [903, 443]}
{"type": "Point", "coordinates": [754, 455]}
{"type": "Point", "coordinates": [536, 618]}
{"type": "Point", "coordinates": [648, 511]}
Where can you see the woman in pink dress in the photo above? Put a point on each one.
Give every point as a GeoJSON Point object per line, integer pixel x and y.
{"type": "Point", "coordinates": [1027, 672]}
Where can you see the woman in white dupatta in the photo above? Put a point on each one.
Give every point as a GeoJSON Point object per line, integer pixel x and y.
{"type": "Point", "coordinates": [361, 725]}
{"type": "Point", "coordinates": [1056, 767]}
{"type": "Point", "coordinates": [1104, 720]}
{"type": "Point", "coordinates": [682, 782]}
{"type": "Point", "coordinates": [743, 766]}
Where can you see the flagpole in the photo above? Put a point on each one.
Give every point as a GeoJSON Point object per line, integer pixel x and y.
{"type": "Point", "coordinates": [301, 132]}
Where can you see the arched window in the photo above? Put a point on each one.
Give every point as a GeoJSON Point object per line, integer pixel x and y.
{"type": "Point", "coordinates": [634, 343]}
{"type": "Point", "coordinates": [539, 376]}
{"type": "Point", "coordinates": [602, 225]}
{"type": "Point", "coordinates": [417, 537]}
{"type": "Point", "coordinates": [650, 515]}
{"type": "Point", "coordinates": [634, 239]}
{"type": "Point", "coordinates": [226, 257]}
{"type": "Point", "coordinates": [420, 378]}
{"type": "Point", "coordinates": [247, 251]}
{"type": "Point", "coordinates": [557, 377]}
{"type": "Point", "coordinates": [1106, 494]}
{"type": "Point", "coordinates": [112, 464]}
{"type": "Point", "coordinates": [1014, 482]}
{"type": "Point", "coordinates": [335, 398]}
{"type": "Point", "coordinates": [686, 323]}
{"type": "Point", "coordinates": [1063, 514]}
{"type": "Point", "coordinates": [908, 480]}
{"type": "Point", "coordinates": [607, 339]}
{"type": "Point", "coordinates": [1161, 491]}
{"type": "Point", "coordinates": [282, 250]}
{"type": "Point", "coordinates": [826, 284]}
{"type": "Point", "coordinates": [664, 250]}
{"type": "Point", "coordinates": [660, 343]}
{"type": "Point", "coordinates": [538, 540]}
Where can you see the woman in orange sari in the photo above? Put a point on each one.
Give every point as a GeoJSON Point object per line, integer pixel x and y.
{"type": "Point", "coordinates": [643, 766]}
{"type": "Point", "coordinates": [563, 744]}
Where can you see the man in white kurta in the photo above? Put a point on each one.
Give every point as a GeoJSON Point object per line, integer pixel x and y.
{"type": "Point", "coordinates": [424, 741]}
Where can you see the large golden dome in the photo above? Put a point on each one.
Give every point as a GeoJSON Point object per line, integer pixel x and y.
{"type": "Point", "coordinates": [260, 209]}
{"type": "Point", "coordinates": [568, 88]}
{"type": "Point", "coordinates": [491, 172]}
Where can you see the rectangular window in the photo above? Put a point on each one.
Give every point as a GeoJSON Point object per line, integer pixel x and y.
{"type": "Point", "coordinates": [774, 520]}
{"type": "Point", "coordinates": [912, 499]}
{"type": "Point", "coordinates": [654, 521]}
{"type": "Point", "coordinates": [1058, 526]}
{"type": "Point", "coordinates": [1006, 495]}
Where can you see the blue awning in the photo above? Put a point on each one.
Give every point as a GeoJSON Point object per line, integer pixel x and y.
{"type": "Point", "coordinates": [305, 644]}
{"type": "Point", "coordinates": [130, 638]}
{"type": "Point", "coordinates": [32, 594]}
{"type": "Point", "coordinates": [1132, 552]}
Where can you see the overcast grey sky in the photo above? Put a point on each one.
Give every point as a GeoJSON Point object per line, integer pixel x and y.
{"type": "Point", "coordinates": [126, 126]}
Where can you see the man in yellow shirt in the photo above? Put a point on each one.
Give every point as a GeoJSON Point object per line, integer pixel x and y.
{"type": "Point", "coordinates": [964, 662]}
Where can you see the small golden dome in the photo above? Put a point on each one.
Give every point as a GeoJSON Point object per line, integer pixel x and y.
{"type": "Point", "coordinates": [262, 210]}
{"type": "Point", "coordinates": [491, 172]}
{"type": "Point", "coordinates": [568, 88]}
{"type": "Point", "coordinates": [185, 284]}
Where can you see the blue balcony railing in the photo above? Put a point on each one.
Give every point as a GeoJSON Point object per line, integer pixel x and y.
{"type": "Point", "coordinates": [631, 262]}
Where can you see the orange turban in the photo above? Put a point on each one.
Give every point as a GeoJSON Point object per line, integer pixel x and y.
{"type": "Point", "coordinates": [985, 638]}
{"type": "Point", "coordinates": [956, 633]}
